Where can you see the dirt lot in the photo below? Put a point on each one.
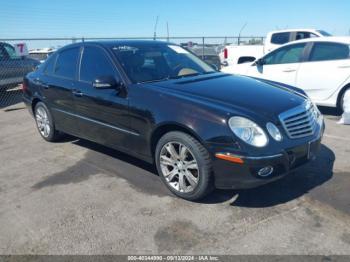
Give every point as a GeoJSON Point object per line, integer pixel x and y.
{"type": "Point", "coordinates": [76, 197]}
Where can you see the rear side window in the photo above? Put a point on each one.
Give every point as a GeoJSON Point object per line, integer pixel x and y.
{"type": "Point", "coordinates": [50, 64]}
{"type": "Point", "coordinates": [304, 35]}
{"type": "Point", "coordinates": [329, 51]}
{"type": "Point", "coordinates": [246, 59]}
{"type": "Point", "coordinates": [95, 63]}
{"type": "Point", "coordinates": [286, 55]}
{"type": "Point", "coordinates": [280, 38]}
{"type": "Point", "coordinates": [66, 63]}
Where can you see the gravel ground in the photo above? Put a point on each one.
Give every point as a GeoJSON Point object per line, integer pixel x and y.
{"type": "Point", "coordinates": [76, 197]}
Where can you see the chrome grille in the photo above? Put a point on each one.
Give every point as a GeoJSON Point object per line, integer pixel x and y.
{"type": "Point", "coordinates": [300, 121]}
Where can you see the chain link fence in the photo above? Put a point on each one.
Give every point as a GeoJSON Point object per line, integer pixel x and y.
{"type": "Point", "coordinates": [13, 68]}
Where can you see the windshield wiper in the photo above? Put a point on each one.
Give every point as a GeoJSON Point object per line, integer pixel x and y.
{"type": "Point", "coordinates": [154, 80]}
{"type": "Point", "coordinates": [176, 77]}
{"type": "Point", "coordinates": [182, 76]}
{"type": "Point", "coordinates": [167, 78]}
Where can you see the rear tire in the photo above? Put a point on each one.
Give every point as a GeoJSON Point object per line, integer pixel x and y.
{"type": "Point", "coordinates": [45, 123]}
{"type": "Point", "coordinates": [184, 165]}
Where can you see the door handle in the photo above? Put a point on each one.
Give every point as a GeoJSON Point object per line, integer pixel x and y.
{"type": "Point", "coordinates": [77, 93]}
{"type": "Point", "coordinates": [289, 70]}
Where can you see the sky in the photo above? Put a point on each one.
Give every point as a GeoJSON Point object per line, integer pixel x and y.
{"type": "Point", "coordinates": [125, 18]}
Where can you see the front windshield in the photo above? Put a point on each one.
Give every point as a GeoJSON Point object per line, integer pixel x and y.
{"type": "Point", "coordinates": [324, 33]}
{"type": "Point", "coordinates": [157, 62]}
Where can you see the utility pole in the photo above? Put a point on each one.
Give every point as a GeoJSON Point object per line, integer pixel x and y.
{"type": "Point", "coordinates": [167, 31]}
{"type": "Point", "coordinates": [239, 35]}
{"type": "Point", "coordinates": [155, 29]}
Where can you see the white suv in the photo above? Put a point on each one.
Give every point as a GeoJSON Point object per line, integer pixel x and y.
{"type": "Point", "coordinates": [319, 66]}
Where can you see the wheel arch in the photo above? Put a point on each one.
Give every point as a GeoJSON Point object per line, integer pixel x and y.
{"type": "Point", "coordinates": [34, 103]}
{"type": "Point", "coordinates": [341, 93]}
{"type": "Point", "coordinates": [162, 129]}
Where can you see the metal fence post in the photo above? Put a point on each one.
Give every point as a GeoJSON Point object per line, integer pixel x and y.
{"type": "Point", "coordinates": [203, 41]}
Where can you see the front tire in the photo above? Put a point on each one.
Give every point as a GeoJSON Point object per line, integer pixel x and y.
{"type": "Point", "coordinates": [184, 165]}
{"type": "Point", "coordinates": [341, 101]}
{"type": "Point", "coordinates": [45, 123]}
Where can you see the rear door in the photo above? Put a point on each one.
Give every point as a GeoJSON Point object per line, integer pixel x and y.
{"type": "Point", "coordinates": [103, 113]}
{"type": "Point", "coordinates": [280, 65]}
{"type": "Point", "coordinates": [57, 84]}
{"type": "Point", "coordinates": [325, 71]}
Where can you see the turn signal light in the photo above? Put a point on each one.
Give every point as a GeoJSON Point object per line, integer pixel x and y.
{"type": "Point", "coordinates": [231, 158]}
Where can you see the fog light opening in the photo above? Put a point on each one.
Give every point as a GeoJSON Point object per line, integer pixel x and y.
{"type": "Point", "coordinates": [265, 171]}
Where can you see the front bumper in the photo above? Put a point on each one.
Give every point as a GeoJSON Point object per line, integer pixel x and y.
{"type": "Point", "coordinates": [230, 175]}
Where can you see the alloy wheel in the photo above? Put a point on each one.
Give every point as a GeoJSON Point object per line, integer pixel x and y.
{"type": "Point", "coordinates": [179, 167]}
{"type": "Point", "coordinates": [42, 121]}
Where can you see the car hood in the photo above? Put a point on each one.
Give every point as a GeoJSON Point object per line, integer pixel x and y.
{"type": "Point", "coordinates": [238, 92]}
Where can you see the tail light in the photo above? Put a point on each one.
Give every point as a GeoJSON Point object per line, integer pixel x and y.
{"type": "Point", "coordinates": [24, 86]}
{"type": "Point", "coordinates": [225, 53]}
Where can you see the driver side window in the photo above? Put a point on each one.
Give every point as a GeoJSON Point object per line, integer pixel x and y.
{"type": "Point", "coordinates": [95, 63]}
{"type": "Point", "coordinates": [286, 55]}
{"type": "Point", "coordinates": [11, 52]}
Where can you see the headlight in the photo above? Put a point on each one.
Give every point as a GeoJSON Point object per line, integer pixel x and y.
{"type": "Point", "coordinates": [248, 131]}
{"type": "Point", "coordinates": [274, 131]}
{"type": "Point", "coordinates": [316, 111]}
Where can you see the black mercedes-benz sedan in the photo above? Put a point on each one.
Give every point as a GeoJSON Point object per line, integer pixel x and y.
{"type": "Point", "coordinates": [162, 104]}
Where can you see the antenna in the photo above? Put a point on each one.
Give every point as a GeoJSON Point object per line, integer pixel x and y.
{"type": "Point", "coordinates": [155, 29]}
{"type": "Point", "coordinates": [239, 35]}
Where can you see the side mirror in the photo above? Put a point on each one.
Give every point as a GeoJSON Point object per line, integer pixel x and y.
{"type": "Point", "coordinates": [259, 62]}
{"type": "Point", "coordinates": [106, 82]}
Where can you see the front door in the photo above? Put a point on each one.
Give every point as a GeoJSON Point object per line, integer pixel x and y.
{"type": "Point", "coordinates": [281, 65]}
{"type": "Point", "coordinates": [103, 114]}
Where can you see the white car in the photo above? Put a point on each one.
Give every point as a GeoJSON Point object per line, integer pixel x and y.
{"type": "Point", "coordinates": [319, 66]}
{"type": "Point", "coordinates": [238, 54]}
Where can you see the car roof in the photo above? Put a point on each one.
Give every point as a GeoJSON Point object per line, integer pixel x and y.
{"type": "Point", "coordinates": [330, 39]}
{"type": "Point", "coordinates": [4, 43]}
{"type": "Point", "coordinates": [111, 43]}
{"type": "Point", "coordinates": [294, 30]}
{"type": "Point", "coordinates": [333, 39]}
